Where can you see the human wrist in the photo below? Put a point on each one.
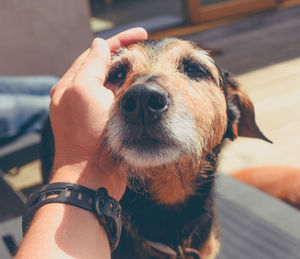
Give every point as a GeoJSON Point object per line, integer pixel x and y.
{"type": "Point", "coordinates": [76, 173]}
{"type": "Point", "coordinates": [73, 166]}
{"type": "Point", "coordinates": [90, 175]}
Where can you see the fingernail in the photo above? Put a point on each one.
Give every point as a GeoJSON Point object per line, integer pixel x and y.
{"type": "Point", "coordinates": [96, 43]}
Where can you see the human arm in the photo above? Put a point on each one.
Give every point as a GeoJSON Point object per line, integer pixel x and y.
{"type": "Point", "coordinates": [78, 112]}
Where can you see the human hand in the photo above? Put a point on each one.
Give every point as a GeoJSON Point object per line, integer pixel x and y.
{"type": "Point", "coordinates": [79, 111]}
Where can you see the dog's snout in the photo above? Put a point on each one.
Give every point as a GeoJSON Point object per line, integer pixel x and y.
{"type": "Point", "coordinates": [145, 103]}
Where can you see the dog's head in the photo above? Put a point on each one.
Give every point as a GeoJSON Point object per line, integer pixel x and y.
{"type": "Point", "coordinates": [173, 107]}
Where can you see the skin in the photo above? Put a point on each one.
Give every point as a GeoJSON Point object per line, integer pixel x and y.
{"type": "Point", "coordinates": [78, 113]}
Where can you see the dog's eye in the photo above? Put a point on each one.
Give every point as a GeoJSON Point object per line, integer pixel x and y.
{"type": "Point", "coordinates": [118, 75]}
{"type": "Point", "coordinates": [193, 70]}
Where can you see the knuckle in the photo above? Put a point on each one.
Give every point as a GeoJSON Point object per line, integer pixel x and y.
{"type": "Point", "coordinates": [78, 82]}
{"type": "Point", "coordinates": [53, 90]}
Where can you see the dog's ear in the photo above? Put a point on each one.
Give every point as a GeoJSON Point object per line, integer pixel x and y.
{"type": "Point", "coordinates": [241, 114]}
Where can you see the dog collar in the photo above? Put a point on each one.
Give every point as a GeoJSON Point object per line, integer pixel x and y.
{"type": "Point", "coordinates": [161, 249]}
{"type": "Point", "coordinates": [105, 208]}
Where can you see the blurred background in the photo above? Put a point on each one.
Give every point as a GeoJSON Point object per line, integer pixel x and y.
{"type": "Point", "coordinates": [257, 41]}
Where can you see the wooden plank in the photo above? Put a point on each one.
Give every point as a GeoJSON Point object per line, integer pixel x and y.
{"type": "Point", "coordinates": [185, 30]}
{"type": "Point", "coordinates": [238, 7]}
{"type": "Point", "coordinates": [288, 3]}
{"type": "Point", "coordinates": [192, 8]}
{"type": "Point", "coordinates": [189, 29]}
{"type": "Point", "coordinates": [198, 14]}
{"type": "Point", "coordinates": [27, 176]}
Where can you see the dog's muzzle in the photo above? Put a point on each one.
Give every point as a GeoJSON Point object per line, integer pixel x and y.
{"type": "Point", "coordinates": [145, 104]}
{"type": "Point", "coordinates": [148, 127]}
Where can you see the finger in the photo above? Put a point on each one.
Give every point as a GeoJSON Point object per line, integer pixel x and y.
{"type": "Point", "coordinates": [95, 65]}
{"type": "Point", "coordinates": [127, 37]}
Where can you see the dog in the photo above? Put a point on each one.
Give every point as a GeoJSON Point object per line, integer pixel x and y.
{"type": "Point", "coordinates": [173, 109]}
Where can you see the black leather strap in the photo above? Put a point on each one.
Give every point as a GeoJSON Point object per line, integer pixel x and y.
{"type": "Point", "coordinates": [106, 208]}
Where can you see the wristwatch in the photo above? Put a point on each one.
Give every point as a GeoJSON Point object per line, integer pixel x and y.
{"type": "Point", "coordinates": [105, 208]}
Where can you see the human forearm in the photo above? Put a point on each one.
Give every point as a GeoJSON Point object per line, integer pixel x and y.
{"type": "Point", "coordinates": [64, 231]}
{"type": "Point", "coordinates": [79, 111]}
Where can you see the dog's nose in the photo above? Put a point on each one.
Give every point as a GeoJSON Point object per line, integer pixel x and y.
{"type": "Point", "coordinates": [145, 103]}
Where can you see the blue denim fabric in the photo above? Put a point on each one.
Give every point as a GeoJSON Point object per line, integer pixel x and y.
{"type": "Point", "coordinates": [24, 103]}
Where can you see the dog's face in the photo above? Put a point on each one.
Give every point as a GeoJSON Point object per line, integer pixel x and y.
{"type": "Point", "coordinates": [169, 99]}
{"type": "Point", "coordinates": [172, 105]}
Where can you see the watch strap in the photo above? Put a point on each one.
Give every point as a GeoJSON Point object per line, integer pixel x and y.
{"type": "Point", "coordinates": [106, 209]}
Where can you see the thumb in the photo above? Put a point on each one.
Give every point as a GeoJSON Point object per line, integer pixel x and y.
{"type": "Point", "coordinates": [96, 64]}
